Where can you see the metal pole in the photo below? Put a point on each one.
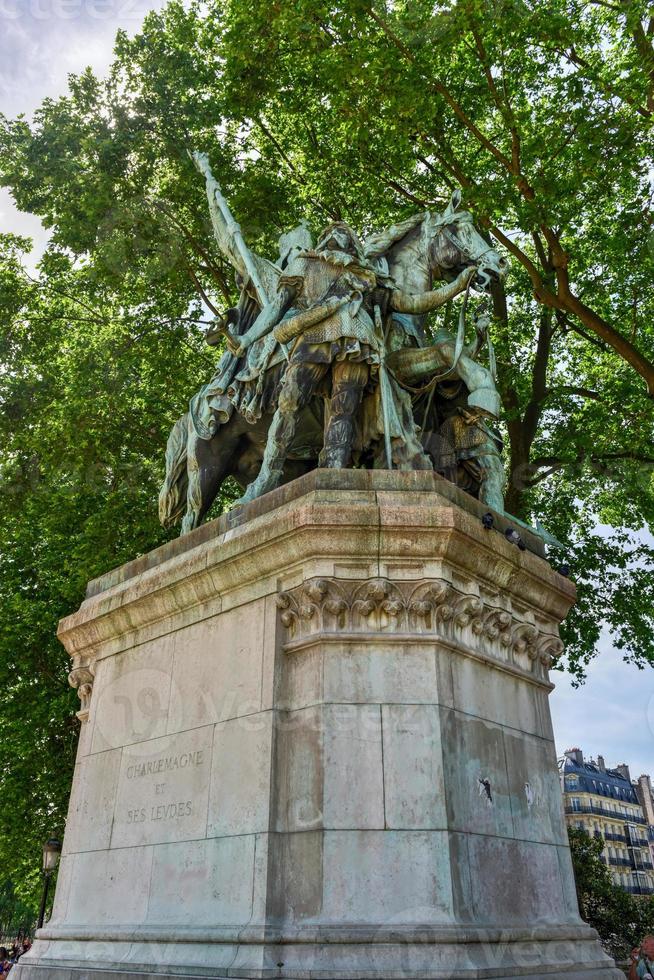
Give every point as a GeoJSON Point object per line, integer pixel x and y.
{"type": "Point", "coordinates": [44, 898]}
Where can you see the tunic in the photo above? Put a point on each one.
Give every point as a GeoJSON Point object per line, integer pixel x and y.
{"type": "Point", "coordinates": [349, 332]}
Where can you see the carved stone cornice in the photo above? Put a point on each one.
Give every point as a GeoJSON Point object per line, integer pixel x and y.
{"type": "Point", "coordinates": [429, 607]}
{"type": "Point", "coordinates": [377, 520]}
{"type": "Point", "coordinates": [81, 677]}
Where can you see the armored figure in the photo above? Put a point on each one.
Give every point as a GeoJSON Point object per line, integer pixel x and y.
{"type": "Point", "coordinates": [329, 310]}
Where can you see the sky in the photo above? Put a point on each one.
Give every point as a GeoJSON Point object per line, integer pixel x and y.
{"type": "Point", "coordinates": [41, 42]}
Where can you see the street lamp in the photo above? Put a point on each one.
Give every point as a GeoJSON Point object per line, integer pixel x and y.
{"type": "Point", "coordinates": [51, 854]}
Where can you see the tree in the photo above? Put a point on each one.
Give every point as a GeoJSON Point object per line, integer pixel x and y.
{"type": "Point", "coordinates": [622, 920]}
{"type": "Point", "coordinates": [541, 112]}
{"type": "Point", "coordinates": [15, 916]}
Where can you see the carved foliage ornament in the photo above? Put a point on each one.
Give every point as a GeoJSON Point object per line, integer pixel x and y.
{"type": "Point", "coordinates": [436, 607]}
{"type": "Point", "coordinates": [81, 677]}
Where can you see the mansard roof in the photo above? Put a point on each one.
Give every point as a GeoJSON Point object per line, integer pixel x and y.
{"type": "Point", "coordinates": [589, 778]}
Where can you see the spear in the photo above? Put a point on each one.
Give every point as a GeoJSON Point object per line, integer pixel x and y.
{"type": "Point", "coordinates": [216, 200]}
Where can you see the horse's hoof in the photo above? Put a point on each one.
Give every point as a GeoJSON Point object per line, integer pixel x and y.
{"type": "Point", "coordinates": [245, 499]}
{"type": "Point", "coordinates": [260, 486]}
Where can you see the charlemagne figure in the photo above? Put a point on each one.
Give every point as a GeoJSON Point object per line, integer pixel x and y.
{"type": "Point", "coordinates": [328, 315]}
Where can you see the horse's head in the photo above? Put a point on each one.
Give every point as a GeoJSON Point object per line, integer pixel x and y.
{"type": "Point", "coordinates": [455, 244]}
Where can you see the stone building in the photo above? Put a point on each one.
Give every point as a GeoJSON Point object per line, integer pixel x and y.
{"type": "Point", "coordinates": [645, 794]}
{"type": "Point", "coordinates": [607, 805]}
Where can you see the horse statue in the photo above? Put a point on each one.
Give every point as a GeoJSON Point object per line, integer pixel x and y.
{"type": "Point", "coordinates": [455, 425]}
{"type": "Point", "coordinates": [224, 433]}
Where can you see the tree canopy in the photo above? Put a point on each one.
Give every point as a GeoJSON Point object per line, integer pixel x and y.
{"type": "Point", "coordinates": [364, 111]}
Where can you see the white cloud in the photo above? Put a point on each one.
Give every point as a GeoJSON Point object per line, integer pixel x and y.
{"type": "Point", "coordinates": [612, 714]}
{"type": "Point", "coordinates": [20, 223]}
{"type": "Point", "coordinates": [41, 43]}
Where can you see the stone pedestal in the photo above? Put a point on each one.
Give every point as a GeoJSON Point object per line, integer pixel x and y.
{"type": "Point", "coordinates": [316, 743]}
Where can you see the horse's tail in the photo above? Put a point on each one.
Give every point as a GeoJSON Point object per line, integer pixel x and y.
{"type": "Point", "coordinates": [172, 496]}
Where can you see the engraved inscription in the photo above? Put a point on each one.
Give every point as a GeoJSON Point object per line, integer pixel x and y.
{"type": "Point", "coordinates": [174, 810]}
{"type": "Point", "coordinates": [168, 764]}
{"type": "Point", "coordinates": [163, 789]}
{"type": "Point", "coordinates": [165, 811]}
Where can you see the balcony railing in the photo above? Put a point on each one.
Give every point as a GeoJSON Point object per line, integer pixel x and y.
{"type": "Point", "coordinates": [603, 811]}
{"type": "Point", "coordinates": [620, 862]}
{"type": "Point", "coordinates": [638, 889]}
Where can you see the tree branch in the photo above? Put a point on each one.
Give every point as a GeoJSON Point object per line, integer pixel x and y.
{"type": "Point", "coordinates": [643, 47]}
{"type": "Point", "coordinates": [441, 90]}
{"type": "Point", "coordinates": [405, 193]}
{"type": "Point", "coordinates": [575, 58]}
{"type": "Point", "coordinates": [564, 323]}
{"type": "Point", "coordinates": [198, 286]}
{"type": "Point", "coordinates": [335, 216]}
{"type": "Point", "coordinates": [503, 107]}
{"type": "Point", "coordinates": [571, 390]}
{"type": "Point", "coordinates": [540, 289]}
{"type": "Point", "coordinates": [210, 265]}
{"type": "Point", "coordinates": [539, 377]}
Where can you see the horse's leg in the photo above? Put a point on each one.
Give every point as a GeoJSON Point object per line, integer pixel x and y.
{"type": "Point", "coordinates": [491, 490]}
{"type": "Point", "coordinates": [483, 463]}
{"type": "Point", "coordinates": [483, 394]}
{"type": "Point", "coordinates": [194, 490]}
{"type": "Point", "coordinates": [209, 462]}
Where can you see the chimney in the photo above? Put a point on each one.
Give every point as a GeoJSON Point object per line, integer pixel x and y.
{"type": "Point", "coordinates": [623, 769]}
{"type": "Point", "coordinates": [601, 764]}
{"type": "Point", "coordinates": [575, 755]}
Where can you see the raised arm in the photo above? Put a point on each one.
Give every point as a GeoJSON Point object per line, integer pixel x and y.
{"type": "Point", "coordinates": [418, 303]}
{"type": "Point", "coordinates": [262, 275]}
{"type": "Point", "coordinates": [269, 317]}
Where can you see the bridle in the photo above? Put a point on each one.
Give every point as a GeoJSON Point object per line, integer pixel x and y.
{"type": "Point", "coordinates": [443, 226]}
